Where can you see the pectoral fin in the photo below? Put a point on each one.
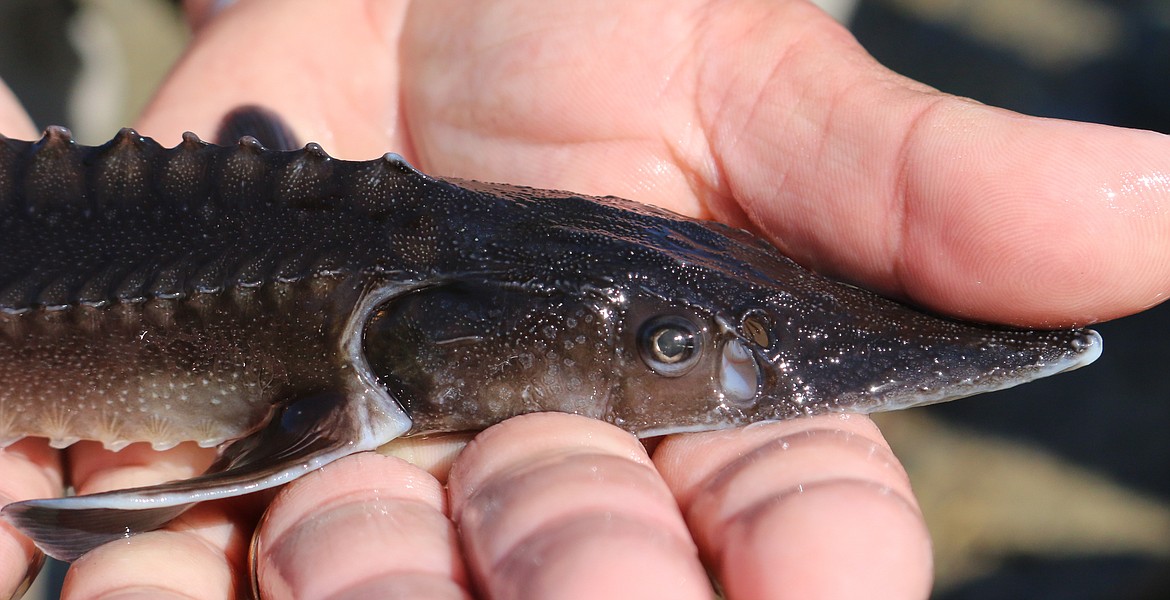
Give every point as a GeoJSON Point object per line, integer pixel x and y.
{"type": "Point", "coordinates": [303, 436]}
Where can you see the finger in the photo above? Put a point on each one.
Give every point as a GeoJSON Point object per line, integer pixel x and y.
{"type": "Point", "coordinates": [158, 564]}
{"type": "Point", "coordinates": [14, 121]}
{"type": "Point", "coordinates": [368, 526]}
{"type": "Point", "coordinates": [202, 554]}
{"type": "Point", "coordinates": [434, 453]}
{"type": "Point", "coordinates": [28, 469]}
{"type": "Point", "coordinates": [328, 68]}
{"type": "Point", "coordinates": [560, 506]}
{"type": "Point", "coordinates": [815, 507]}
{"type": "Point", "coordinates": [967, 209]}
{"type": "Point", "coordinates": [94, 469]}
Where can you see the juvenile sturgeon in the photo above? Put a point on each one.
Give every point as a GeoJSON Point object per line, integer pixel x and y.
{"type": "Point", "coordinates": [291, 308]}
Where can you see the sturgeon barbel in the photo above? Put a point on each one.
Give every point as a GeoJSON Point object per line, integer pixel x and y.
{"type": "Point", "coordinates": [290, 309]}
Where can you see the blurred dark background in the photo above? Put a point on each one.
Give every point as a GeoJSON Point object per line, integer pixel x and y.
{"type": "Point", "coordinates": [1059, 489]}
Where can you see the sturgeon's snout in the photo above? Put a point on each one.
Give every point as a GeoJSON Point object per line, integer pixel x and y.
{"type": "Point", "coordinates": [868, 354]}
{"type": "Point", "coordinates": [987, 361]}
{"type": "Point", "coordinates": [1086, 348]}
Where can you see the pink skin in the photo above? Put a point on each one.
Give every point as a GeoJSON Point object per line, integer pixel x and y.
{"type": "Point", "coordinates": [758, 113]}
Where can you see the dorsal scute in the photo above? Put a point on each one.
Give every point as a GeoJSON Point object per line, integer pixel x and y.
{"type": "Point", "coordinates": [307, 180]}
{"type": "Point", "coordinates": [53, 179]}
{"type": "Point", "coordinates": [122, 171]}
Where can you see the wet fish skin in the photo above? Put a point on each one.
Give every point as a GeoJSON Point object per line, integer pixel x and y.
{"type": "Point", "coordinates": [292, 308]}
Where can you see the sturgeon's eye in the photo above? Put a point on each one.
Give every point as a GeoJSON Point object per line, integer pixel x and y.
{"type": "Point", "coordinates": [670, 345]}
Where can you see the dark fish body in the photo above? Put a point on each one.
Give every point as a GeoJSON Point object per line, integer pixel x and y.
{"type": "Point", "coordinates": [292, 308]}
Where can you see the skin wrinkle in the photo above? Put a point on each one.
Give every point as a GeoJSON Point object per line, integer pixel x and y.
{"type": "Point", "coordinates": [779, 78]}
{"type": "Point", "coordinates": [523, 499]}
{"type": "Point", "coordinates": [417, 543]}
{"type": "Point", "coordinates": [500, 458]}
{"type": "Point", "coordinates": [835, 156]}
{"type": "Point", "coordinates": [147, 591]}
{"type": "Point", "coordinates": [723, 494]}
{"type": "Point", "coordinates": [404, 586]}
{"type": "Point", "coordinates": [821, 451]}
{"type": "Point", "coordinates": [720, 138]}
{"type": "Point", "coordinates": [505, 492]}
{"type": "Point", "coordinates": [537, 557]}
{"type": "Point", "coordinates": [374, 10]}
{"type": "Point", "coordinates": [400, 482]}
{"type": "Point", "coordinates": [756, 510]}
{"type": "Point", "coordinates": [704, 453]}
{"type": "Point", "coordinates": [900, 214]}
{"type": "Point", "coordinates": [507, 134]}
{"type": "Point", "coordinates": [707, 122]}
{"type": "Point", "coordinates": [836, 438]}
{"type": "Point", "coordinates": [706, 182]}
{"type": "Point", "coordinates": [839, 154]}
{"type": "Point", "coordinates": [700, 187]}
{"type": "Point", "coordinates": [389, 519]}
{"type": "Point", "coordinates": [200, 560]}
{"type": "Point", "coordinates": [884, 548]}
{"type": "Point", "coordinates": [319, 508]}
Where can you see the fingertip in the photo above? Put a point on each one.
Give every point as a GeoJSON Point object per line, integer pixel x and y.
{"type": "Point", "coordinates": [689, 461]}
{"type": "Point", "coordinates": [962, 208]}
{"type": "Point", "coordinates": [551, 498]}
{"type": "Point", "coordinates": [837, 539]}
{"type": "Point", "coordinates": [20, 560]}
{"type": "Point", "coordinates": [31, 470]}
{"type": "Point", "coordinates": [495, 450]}
{"type": "Point", "coordinates": [354, 478]}
{"type": "Point", "coordinates": [1034, 222]}
{"type": "Point", "coordinates": [640, 561]}
{"type": "Point", "coordinates": [159, 564]}
{"type": "Point", "coordinates": [373, 523]}
{"type": "Point", "coordinates": [781, 509]}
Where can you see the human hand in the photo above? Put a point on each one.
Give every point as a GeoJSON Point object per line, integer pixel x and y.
{"type": "Point", "coordinates": [760, 113]}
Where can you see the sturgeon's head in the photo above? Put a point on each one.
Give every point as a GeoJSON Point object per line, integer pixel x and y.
{"type": "Point", "coordinates": [662, 324]}
{"type": "Point", "coordinates": [728, 331]}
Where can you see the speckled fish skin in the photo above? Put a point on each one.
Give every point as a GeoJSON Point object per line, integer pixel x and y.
{"type": "Point", "coordinates": [292, 308]}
